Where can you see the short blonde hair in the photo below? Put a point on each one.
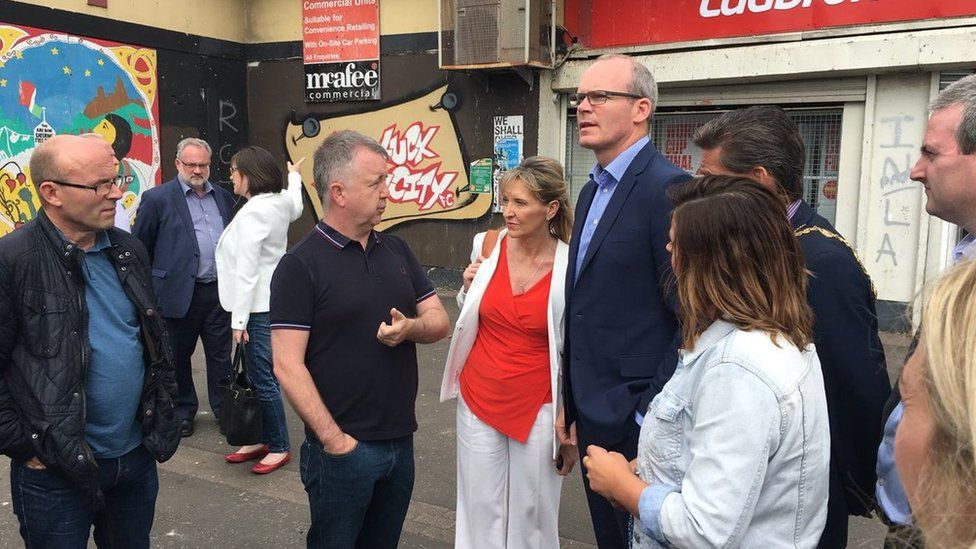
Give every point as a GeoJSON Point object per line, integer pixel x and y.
{"type": "Point", "coordinates": [948, 479]}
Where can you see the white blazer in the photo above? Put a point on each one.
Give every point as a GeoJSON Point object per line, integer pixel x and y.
{"type": "Point", "coordinates": [466, 329]}
{"type": "Point", "coordinates": [251, 246]}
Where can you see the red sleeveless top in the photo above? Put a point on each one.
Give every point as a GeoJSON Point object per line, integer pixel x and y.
{"type": "Point", "coordinates": [506, 378]}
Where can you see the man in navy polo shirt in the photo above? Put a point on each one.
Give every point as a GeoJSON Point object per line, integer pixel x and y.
{"type": "Point", "coordinates": [348, 306]}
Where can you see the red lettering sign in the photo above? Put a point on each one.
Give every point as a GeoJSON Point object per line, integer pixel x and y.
{"type": "Point", "coordinates": [340, 30]}
{"type": "Point", "coordinates": [607, 23]}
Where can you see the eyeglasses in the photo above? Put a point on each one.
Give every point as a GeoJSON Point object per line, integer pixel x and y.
{"type": "Point", "coordinates": [200, 167]}
{"type": "Point", "coordinates": [598, 97]}
{"type": "Point", "coordinates": [100, 189]}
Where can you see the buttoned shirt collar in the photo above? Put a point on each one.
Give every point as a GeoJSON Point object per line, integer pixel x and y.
{"type": "Point", "coordinates": [207, 187]}
{"type": "Point", "coordinates": [618, 166]}
{"type": "Point", "coordinates": [965, 250]}
{"type": "Point", "coordinates": [336, 238]}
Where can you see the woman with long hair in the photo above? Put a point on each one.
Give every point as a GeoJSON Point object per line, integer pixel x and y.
{"type": "Point", "coordinates": [734, 451]}
{"type": "Point", "coordinates": [247, 253]}
{"type": "Point", "coordinates": [504, 367]}
{"type": "Point", "coordinates": [935, 441]}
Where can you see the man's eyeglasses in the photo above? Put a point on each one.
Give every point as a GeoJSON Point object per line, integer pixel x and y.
{"type": "Point", "coordinates": [100, 189]}
{"type": "Point", "coordinates": [598, 97]}
{"type": "Point", "coordinates": [200, 167]}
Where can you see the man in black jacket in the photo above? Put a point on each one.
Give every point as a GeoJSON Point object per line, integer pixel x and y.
{"type": "Point", "coordinates": [763, 144]}
{"type": "Point", "coordinates": [86, 376]}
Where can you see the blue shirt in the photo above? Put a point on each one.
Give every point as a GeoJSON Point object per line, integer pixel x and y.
{"type": "Point", "coordinates": [113, 382]}
{"type": "Point", "coordinates": [889, 489]}
{"type": "Point", "coordinates": [606, 182]}
{"type": "Point", "coordinates": [207, 225]}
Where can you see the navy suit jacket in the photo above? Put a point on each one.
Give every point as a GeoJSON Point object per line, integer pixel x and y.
{"type": "Point", "coordinates": [851, 355]}
{"type": "Point", "coordinates": [164, 226]}
{"type": "Point", "coordinates": [621, 332]}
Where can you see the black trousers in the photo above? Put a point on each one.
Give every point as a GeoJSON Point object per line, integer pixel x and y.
{"type": "Point", "coordinates": [207, 321]}
{"type": "Point", "coordinates": [610, 526]}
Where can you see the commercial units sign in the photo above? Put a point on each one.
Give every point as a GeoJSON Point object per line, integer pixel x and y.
{"type": "Point", "coordinates": [607, 23]}
{"type": "Point", "coordinates": [341, 49]}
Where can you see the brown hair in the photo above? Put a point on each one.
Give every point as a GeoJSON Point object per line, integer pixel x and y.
{"type": "Point", "coordinates": [737, 260]}
{"type": "Point", "coordinates": [544, 177]}
{"type": "Point", "coordinates": [262, 172]}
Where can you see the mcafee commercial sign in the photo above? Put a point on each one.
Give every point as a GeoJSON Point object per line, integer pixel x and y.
{"type": "Point", "coordinates": [608, 23]}
{"type": "Point", "coordinates": [341, 46]}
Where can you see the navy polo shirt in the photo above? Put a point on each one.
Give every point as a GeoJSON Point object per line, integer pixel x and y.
{"type": "Point", "coordinates": [330, 286]}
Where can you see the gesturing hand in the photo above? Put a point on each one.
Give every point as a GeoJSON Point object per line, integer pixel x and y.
{"type": "Point", "coordinates": [396, 331]}
{"type": "Point", "coordinates": [296, 166]}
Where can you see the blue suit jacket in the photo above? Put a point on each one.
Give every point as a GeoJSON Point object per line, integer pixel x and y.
{"type": "Point", "coordinates": [851, 356]}
{"type": "Point", "coordinates": [164, 226]}
{"type": "Point", "coordinates": [621, 330]}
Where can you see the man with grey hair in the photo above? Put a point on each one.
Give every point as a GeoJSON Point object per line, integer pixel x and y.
{"type": "Point", "coordinates": [348, 306]}
{"type": "Point", "coordinates": [621, 329]}
{"type": "Point", "coordinates": [180, 222]}
{"type": "Point", "coordinates": [947, 171]}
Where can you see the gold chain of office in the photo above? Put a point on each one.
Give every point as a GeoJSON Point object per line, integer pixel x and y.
{"type": "Point", "coordinates": [814, 229]}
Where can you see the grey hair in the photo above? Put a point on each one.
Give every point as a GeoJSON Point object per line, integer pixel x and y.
{"type": "Point", "coordinates": [333, 157]}
{"type": "Point", "coordinates": [642, 82]}
{"type": "Point", "coordinates": [195, 142]}
{"type": "Point", "coordinates": [961, 92]}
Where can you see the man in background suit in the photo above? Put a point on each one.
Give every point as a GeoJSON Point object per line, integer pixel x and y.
{"type": "Point", "coordinates": [621, 329]}
{"type": "Point", "coordinates": [180, 222]}
{"type": "Point", "coordinates": [763, 144]}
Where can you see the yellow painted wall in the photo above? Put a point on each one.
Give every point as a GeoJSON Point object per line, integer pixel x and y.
{"type": "Point", "coordinates": [213, 18]}
{"type": "Point", "coordinates": [247, 21]}
{"type": "Point", "coordinates": [281, 20]}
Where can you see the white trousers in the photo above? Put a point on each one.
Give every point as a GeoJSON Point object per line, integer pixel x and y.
{"type": "Point", "coordinates": [507, 491]}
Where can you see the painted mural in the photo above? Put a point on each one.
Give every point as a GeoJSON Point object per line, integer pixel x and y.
{"type": "Point", "coordinates": [425, 173]}
{"type": "Point", "coordinates": [53, 83]}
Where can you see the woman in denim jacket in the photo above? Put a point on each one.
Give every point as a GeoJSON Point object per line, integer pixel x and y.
{"type": "Point", "coordinates": [735, 451]}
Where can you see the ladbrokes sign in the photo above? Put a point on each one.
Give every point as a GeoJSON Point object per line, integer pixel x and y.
{"type": "Point", "coordinates": [612, 23]}
{"type": "Point", "coordinates": [341, 46]}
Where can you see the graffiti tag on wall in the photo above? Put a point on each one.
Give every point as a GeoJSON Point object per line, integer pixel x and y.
{"type": "Point", "coordinates": [54, 83]}
{"type": "Point", "coordinates": [425, 173]}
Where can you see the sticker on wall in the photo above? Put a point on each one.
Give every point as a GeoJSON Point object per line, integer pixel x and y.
{"type": "Point", "coordinates": [509, 135]}
{"type": "Point", "coordinates": [426, 173]}
{"type": "Point", "coordinates": [481, 176]}
{"type": "Point", "coordinates": [53, 83]}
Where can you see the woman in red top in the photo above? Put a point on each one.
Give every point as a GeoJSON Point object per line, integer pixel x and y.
{"type": "Point", "coordinates": [505, 365]}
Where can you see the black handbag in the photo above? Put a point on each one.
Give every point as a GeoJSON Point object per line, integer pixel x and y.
{"type": "Point", "coordinates": [240, 408]}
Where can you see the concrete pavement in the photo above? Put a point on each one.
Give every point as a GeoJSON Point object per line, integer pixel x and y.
{"type": "Point", "coordinates": [206, 503]}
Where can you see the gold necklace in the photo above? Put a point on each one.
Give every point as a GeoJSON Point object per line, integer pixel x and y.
{"type": "Point", "coordinates": [534, 272]}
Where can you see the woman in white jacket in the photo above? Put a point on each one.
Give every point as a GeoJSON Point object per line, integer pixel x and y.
{"type": "Point", "coordinates": [504, 367]}
{"type": "Point", "coordinates": [247, 254]}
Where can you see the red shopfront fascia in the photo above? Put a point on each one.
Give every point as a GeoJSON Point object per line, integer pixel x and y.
{"type": "Point", "coordinates": [613, 23]}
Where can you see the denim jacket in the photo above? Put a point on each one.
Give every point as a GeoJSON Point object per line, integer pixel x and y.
{"type": "Point", "coordinates": [736, 448]}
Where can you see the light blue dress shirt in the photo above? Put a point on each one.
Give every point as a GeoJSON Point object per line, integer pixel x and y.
{"type": "Point", "coordinates": [889, 490]}
{"type": "Point", "coordinates": [606, 182]}
{"type": "Point", "coordinates": [207, 226]}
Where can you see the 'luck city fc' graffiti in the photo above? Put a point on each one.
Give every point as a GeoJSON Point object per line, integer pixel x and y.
{"type": "Point", "coordinates": [407, 181]}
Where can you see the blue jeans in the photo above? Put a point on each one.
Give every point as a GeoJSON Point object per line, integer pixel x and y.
{"type": "Point", "coordinates": [358, 500]}
{"type": "Point", "coordinates": [260, 375]}
{"type": "Point", "coordinates": [53, 514]}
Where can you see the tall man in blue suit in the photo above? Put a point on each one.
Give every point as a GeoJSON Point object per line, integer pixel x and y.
{"type": "Point", "coordinates": [621, 329]}
{"type": "Point", "coordinates": [763, 144]}
{"type": "Point", "coordinates": [180, 222]}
